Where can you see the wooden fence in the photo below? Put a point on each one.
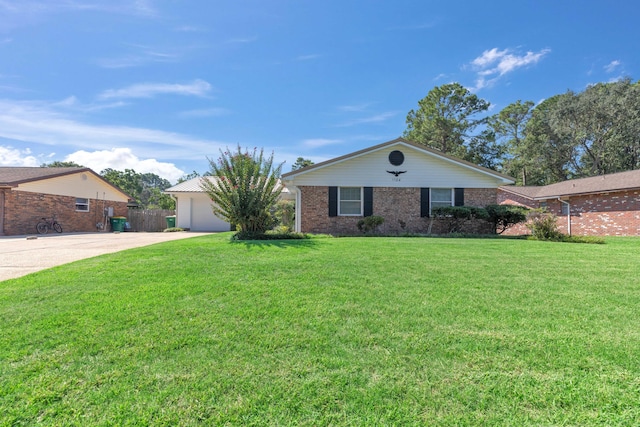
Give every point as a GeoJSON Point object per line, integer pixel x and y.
{"type": "Point", "coordinates": [148, 220]}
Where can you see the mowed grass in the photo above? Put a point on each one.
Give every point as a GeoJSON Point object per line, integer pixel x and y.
{"type": "Point", "coordinates": [349, 331]}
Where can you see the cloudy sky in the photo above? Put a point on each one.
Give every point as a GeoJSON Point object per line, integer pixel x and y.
{"type": "Point", "coordinates": [162, 85]}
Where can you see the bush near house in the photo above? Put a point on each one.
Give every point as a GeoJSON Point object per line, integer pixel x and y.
{"type": "Point", "coordinates": [245, 189]}
{"type": "Point", "coordinates": [456, 216]}
{"type": "Point", "coordinates": [505, 216]}
{"type": "Point", "coordinates": [370, 223]}
{"type": "Point", "coordinates": [543, 225]}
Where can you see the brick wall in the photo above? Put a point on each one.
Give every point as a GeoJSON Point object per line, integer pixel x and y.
{"type": "Point", "coordinates": [400, 208]}
{"type": "Point", "coordinates": [480, 197]}
{"type": "Point", "coordinates": [607, 214]}
{"type": "Point", "coordinates": [23, 210]}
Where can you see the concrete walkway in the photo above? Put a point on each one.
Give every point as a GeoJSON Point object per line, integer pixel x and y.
{"type": "Point", "coordinates": [21, 255]}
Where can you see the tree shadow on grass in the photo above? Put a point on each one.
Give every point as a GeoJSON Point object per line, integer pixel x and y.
{"type": "Point", "coordinates": [280, 244]}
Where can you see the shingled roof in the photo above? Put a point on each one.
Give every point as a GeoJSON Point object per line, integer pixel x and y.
{"type": "Point", "coordinates": [11, 176]}
{"type": "Point", "coordinates": [596, 184]}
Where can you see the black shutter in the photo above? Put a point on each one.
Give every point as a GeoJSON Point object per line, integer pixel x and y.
{"type": "Point", "coordinates": [424, 202]}
{"type": "Point", "coordinates": [459, 197]}
{"type": "Point", "coordinates": [333, 201]}
{"type": "Point", "coordinates": [368, 201]}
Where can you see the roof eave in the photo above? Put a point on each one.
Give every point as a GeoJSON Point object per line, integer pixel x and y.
{"type": "Point", "coordinates": [585, 193]}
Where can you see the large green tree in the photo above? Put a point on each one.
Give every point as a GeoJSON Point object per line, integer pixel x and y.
{"type": "Point", "coordinates": [545, 155]}
{"type": "Point", "coordinates": [449, 119]}
{"type": "Point", "coordinates": [244, 187]}
{"type": "Point", "coordinates": [300, 163]}
{"type": "Point", "coordinates": [146, 189]}
{"type": "Point", "coordinates": [61, 164]}
{"type": "Point", "coordinates": [574, 134]}
{"type": "Point", "coordinates": [602, 123]}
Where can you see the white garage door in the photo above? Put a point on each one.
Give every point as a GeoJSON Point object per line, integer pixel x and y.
{"type": "Point", "coordinates": [203, 219]}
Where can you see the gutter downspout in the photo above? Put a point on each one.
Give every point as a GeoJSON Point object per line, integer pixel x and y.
{"type": "Point", "coordinates": [568, 214]}
{"type": "Point", "coordinates": [298, 209]}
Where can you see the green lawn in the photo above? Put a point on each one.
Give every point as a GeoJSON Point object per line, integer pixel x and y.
{"type": "Point", "coordinates": [349, 331]}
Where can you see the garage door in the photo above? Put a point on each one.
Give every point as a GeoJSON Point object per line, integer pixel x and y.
{"type": "Point", "coordinates": [203, 219]}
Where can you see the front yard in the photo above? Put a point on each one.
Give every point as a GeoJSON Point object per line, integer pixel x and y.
{"type": "Point", "coordinates": [353, 331]}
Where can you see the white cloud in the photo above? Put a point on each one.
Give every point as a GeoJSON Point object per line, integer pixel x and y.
{"type": "Point", "coordinates": [354, 108]}
{"type": "Point", "coordinates": [612, 66]}
{"type": "Point", "coordinates": [205, 112]}
{"type": "Point", "coordinates": [320, 142]}
{"type": "Point", "coordinates": [142, 55]}
{"type": "Point", "coordinates": [377, 118]}
{"type": "Point", "coordinates": [46, 124]}
{"type": "Point", "coordinates": [123, 158]}
{"type": "Point", "coordinates": [241, 40]}
{"type": "Point", "coordinates": [148, 90]}
{"type": "Point", "coordinates": [495, 63]}
{"type": "Point", "coordinates": [28, 12]}
{"type": "Point", "coordinates": [10, 156]}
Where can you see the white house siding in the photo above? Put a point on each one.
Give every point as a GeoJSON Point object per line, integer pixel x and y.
{"type": "Point", "coordinates": [420, 170]}
{"type": "Point", "coordinates": [84, 185]}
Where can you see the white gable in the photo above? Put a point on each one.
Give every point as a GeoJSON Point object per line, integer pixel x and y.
{"type": "Point", "coordinates": [421, 168]}
{"type": "Point", "coordinates": [82, 184]}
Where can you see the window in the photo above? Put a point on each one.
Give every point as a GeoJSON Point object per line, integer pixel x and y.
{"type": "Point", "coordinates": [350, 201]}
{"type": "Point", "coordinates": [441, 197]}
{"type": "Point", "coordinates": [543, 205]}
{"type": "Point", "coordinates": [565, 208]}
{"type": "Point", "coordinates": [82, 204]}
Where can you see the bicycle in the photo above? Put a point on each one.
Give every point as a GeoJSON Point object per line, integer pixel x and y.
{"type": "Point", "coordinates": [47, 224]}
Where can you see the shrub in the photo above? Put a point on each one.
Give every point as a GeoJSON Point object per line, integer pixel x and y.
{"type": "Point", "coordinates": [244, 187]}
{"type": "Point", "coordinates": [543, 225]}
{"type": "Point", "coordinates": [284, 213]}
{"type": "Point", "coordinates": [504, 216]}
{"type": "Point", "coordinates": [457, 216]}
{"type": "Point", "coordinates": [370, 223]}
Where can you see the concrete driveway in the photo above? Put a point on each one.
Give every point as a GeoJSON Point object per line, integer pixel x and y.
{"type": "Point", "coordinates": [21, 255]}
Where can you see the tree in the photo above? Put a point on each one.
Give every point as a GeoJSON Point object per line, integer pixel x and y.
{"type": "Point", "coordinates": [509, 127]}
{"type": "Point", "coordinates": [543, 156]}
{"type": "Point", "coordinates": [146, 189]}
{"type": "Point", "coordinates": [446, 119]}
{"type": "Point", "coordinates": [189, 176]}
{"type": "Point", "coordinates": [59, 164]}
{"type": "Point", "coordinates": [574, 135]}
{"type": "Point", "coordinates": [301, 163]}
{"type": "Point", "coordinates": [244, 188]}
{"type": "Point", "coordinates": [602, 123]}
{"type": "Point", "coordinates": [127, 180]}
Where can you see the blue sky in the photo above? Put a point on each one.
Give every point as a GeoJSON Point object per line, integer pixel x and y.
{"type": "Point", "coordinates": [161, 85]}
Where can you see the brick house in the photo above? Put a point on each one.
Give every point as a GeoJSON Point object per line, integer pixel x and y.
{"type": "Point", "coordinates": [605, 205]}
{"type": "Point", "coordinates": [78, 196]}
{"type": "Point", "coordinates": [398, 180]}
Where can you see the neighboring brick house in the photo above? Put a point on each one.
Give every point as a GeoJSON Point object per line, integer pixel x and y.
{"type": "Point", "coordinates": [605, 205]}
{"type": "Point", "coordinates": [78, 196]}
{"type": "Point", "coordinates": [398, 180]}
